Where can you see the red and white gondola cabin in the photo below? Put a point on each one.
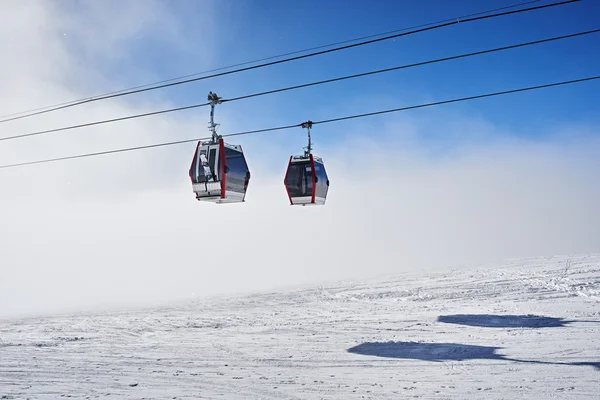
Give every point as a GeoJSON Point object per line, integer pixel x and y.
{"type": "Point", "coordinates": [219, 172]}
{"type": "Point", "coordinates": [306, 180]}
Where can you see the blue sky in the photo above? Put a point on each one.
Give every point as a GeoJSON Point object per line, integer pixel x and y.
{"type": "Point", "coordinates": [246, 30]}
{"type": "Point", "coordinates": [505, 177]}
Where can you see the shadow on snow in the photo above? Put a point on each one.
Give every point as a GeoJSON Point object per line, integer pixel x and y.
{"type": "Point", "coordinates": [504, 321]}
{"type": "Point", "coordinates": [438, 352]}
{"type": "Point", "coordinates": [508, 321]}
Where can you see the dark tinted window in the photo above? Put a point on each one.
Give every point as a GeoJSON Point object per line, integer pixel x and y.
{"type": "Point", "coordinates": [299, 179]}
{"type": "Point", "coordinates": [211, 160]}
{"type": "Point", "coordinates": [238, 170]}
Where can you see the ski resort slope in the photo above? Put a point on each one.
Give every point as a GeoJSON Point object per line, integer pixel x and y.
{"type": "Point", "coordinates": [521, 329]}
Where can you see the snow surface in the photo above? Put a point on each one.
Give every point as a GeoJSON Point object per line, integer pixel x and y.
{"type": "Point", "coordinates": [521, 329]}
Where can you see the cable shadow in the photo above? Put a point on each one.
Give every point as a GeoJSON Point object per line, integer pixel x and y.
{"type": "Point", "coordinates": [438, 352]}
{"type": "Point", "coordinates": [504, 321]}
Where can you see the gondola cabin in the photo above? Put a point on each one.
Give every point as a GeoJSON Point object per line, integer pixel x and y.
{"type": "Point", "coordinates": [219, 172]}
{"type": "Point", "coordinates": [306, 180]}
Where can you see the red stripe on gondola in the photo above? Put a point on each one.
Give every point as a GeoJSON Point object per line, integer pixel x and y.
{"type": "Point", "coordinates": [222, 167]}
{"type": "Point", "coordinates": [285, 180]}
{"type": "Point", "coordinates": [314, 178]}
{"type": "Point", "coordinates": [192, 165]}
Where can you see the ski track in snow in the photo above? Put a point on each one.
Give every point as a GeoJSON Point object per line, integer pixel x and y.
{"type": "Point", "coordinates": [521, 329]}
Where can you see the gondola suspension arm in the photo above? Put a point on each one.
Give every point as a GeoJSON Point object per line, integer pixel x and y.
{"type": "Point", "coordinates": [308, 149]}
{"type": "Point", "coordinates": [213, 100]}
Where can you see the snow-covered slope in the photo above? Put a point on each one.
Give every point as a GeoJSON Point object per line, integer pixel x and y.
{"type": "Point", "coordinates": [522, 329]}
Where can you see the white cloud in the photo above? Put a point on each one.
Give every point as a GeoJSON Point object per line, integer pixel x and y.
{"type": "Point", "coordinates": [126, 228]}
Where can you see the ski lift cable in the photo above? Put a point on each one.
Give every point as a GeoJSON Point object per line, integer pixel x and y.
{"type": "Point", "coordinates": [267, 58]}
{"type": "Point", "coordinates": [457, 20]}
{"type": "Point", "coordinates": [456, 100]}
{"type": "Point", "coordinates": [422, 63]}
